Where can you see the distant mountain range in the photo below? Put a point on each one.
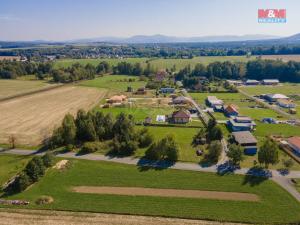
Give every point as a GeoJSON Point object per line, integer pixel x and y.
{"type": "Point", "coordinates": [158, 38]}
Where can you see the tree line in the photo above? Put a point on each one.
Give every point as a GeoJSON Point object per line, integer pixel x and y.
{"type": "Point", "coordinates": [254, 69]}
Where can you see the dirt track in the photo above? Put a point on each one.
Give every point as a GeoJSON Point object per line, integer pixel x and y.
{"type": "Point", "coordinates": [32, 118]}
{"type": "Point", "coordinates": [134, 191]}
{"type": "Point", "coordinates": [46, 217]}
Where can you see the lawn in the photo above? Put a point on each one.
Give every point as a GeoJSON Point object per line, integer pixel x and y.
{"type": "Point", "coordinates": [10, 165]}
{"type": "Point", "coordinates": [115, 83]}
{"type": "Point", "coordinates": [275, 205]}
{"type": "Point", "coordinates": [183, 137]}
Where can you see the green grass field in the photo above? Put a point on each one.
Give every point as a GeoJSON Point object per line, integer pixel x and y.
{"type": "Point", "coordinates": [115, 83]}
{"type": "Point", "coordinates": [183, 137]}
{"type": "Point", "coordinates": [10, 165]}
{"type": "Point", "coordinates": [275, 205]}
{"type": "Point", "coordinates": [157, 63]}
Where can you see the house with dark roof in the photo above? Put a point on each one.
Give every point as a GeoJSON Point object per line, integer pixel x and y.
{"type": "Point", "coordinates": [180, 100]}
{"type": "Point", "coordinates": [231, 110]}
{"type": "Point", "coordinates": [246, 140]}
{"type": "Point", "coordinates": [241, 123]}
{"type": "Point", "coordinates": [294, 143]}
{"type": "Point", "coordinates": [180, 116]}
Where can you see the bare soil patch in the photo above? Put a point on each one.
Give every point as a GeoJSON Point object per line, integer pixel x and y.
{"type": "Point", "coordinates": [135, 191]}
{"type": "Point", "coordinates": [284, 58]}
{"type": "Point", "coordinates": [32, 118]}
{"type": "Point", "coordinates": [47, 217]}
{"type": "Point", "coordinates": [61, 164]}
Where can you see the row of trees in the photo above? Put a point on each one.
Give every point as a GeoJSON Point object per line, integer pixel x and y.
{"type": "Point", "coordinates": [14, 69]}
{"type": "Point", "coordinates": [33, 171]}
{"type": "Point", "coordinates": [254, 69]}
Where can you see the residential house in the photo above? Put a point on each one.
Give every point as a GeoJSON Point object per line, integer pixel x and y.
{"type": "Point", "coordinates": [274, 97]}
{"type": "Point", "coordinates": [180, 100]}
{"type": "Point", "coordinates": [286, 103]}
{"type": "Point", "coordinates": [294, 143]}
{"type": "Point", "coordinates": [241, 123]}
{"type": "Point", "coordinates": [148, 120]}
{"type": "Point", "coordinates": [180, 116]}
{"type": "Point", "coordinates": [270, 82]}
{"type": "Point", "coordinates": [246, 140]}
{"type": "Point", "coordinates": [161, 75]}
{"type": "Point", "coordinates": [231, 110]}
{"type": "Point", "coordinates": [167, 90]}
{"type": "Point", "coordinates": [251, 82]}
{"type": "Point", "coordinates": [215, 103]}
{"type": "Point", "coordinates": [141, 91]}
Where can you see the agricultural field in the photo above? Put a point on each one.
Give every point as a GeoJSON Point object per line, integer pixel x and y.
{"type": "Point", "coordinates": [284, 58]}
{"type": "Point", "coordinates": [32, 118]}
{"type": "Point", "coordinates": [156, 63]}
{"type": "Point", "coordinates": [59, 184]}
{"type": "Point", "coordinates": [289, 89]}
{"type": "Point", "coordinates": [115, 84]}
{"type": "Point", "coordinates": [16, 87]}
{"type": "Point", "coordinates": [11, 165]}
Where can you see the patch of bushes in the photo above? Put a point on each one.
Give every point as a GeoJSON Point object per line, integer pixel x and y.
{"type": "Point", "coordinates": [43, 200]}
{"type": "Point", "coordinates": [90, 147]}
{"type": "Point", "coordinates": [34, 170]}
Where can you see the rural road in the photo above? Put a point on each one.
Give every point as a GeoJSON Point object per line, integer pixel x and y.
{"type": "Point", "coordinates": [282, 180]}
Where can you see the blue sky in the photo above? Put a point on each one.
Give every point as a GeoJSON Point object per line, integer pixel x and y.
{"type": "Point", "coordinates": [72, 19]}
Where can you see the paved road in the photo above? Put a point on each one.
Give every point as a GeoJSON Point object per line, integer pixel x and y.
{"type": "Point", "coordinates": [283, 181]}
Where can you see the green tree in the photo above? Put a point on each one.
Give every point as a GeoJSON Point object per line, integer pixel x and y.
{"type": "Point", "coordinates": [68, 129]}
{"type": "Point", "coordinates": [235, 154]}
{"type": "Point", "coordinates": [268, 153]}
{"type": "Point", "coordinates": [48, 159]}
{"type": "Point", "coordinates": [215, 133]}
{"type": "Point", "coordinates": [35, 168]}
{"type": "Point", "coordinates": [145, 138]}
{"type": "Point", "coordinates": [199, 138]}
{"type": "Point", "coordinates": [214, 151]}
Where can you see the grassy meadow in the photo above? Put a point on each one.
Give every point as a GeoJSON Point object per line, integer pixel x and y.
{"type": "Point", "coordinates": [156, 63]}
{"type": "Point", "coordinates": [274, 201]}
{"type": "Point", "coordinates": [10, 165]}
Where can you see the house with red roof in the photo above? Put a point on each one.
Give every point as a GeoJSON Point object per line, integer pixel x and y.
{"type": "Point", "coordinates": [294, 143]}
{"type": "Point", "coordinates": [231, 110]}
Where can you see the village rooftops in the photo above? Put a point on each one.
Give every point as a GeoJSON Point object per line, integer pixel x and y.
{"type": "Point", "coordinates": [276, 96]}
{"type": "Point", "coordinates": [181, 114]}
{"type": "Point", "coordinates": [213, 100]}
{"type": "Point", "coordinates": [244, 137]}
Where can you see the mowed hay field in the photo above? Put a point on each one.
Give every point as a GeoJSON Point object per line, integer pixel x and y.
{"type": "Point", "coordinates": [16, 87]}
{"type": "Point", "coordinates": [32, 118]}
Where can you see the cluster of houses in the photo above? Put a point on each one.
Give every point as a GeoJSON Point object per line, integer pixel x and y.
{"type": "Point", "coordinates": [251, 82]}
{"type": "Point", "coordinates": [241, 126]}
{"type": "Point", "coordinates": [279, 99]}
